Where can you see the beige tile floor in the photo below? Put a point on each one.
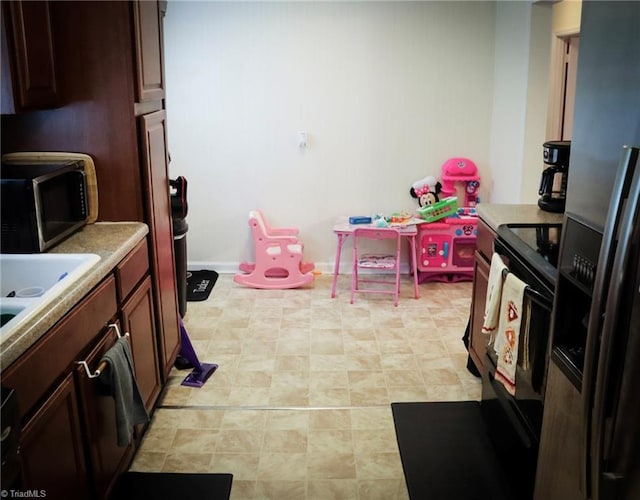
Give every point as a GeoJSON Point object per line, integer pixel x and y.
{"type": "Point", "coordinates": [299, 407]}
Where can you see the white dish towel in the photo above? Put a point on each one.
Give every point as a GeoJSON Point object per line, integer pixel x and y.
{"type": "Point", "coordinates": [508, 336]}
{"type": "Point", "coordinates": [494, 295]}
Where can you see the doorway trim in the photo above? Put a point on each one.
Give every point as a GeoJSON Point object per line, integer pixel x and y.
{"type": "Point", "coordinates": [557, 88]}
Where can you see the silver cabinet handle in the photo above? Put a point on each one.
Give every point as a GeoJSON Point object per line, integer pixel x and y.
{"type": "Point", "coordinates": [104, 364]}
{"type": "Point", "coordinates": [5, 433]}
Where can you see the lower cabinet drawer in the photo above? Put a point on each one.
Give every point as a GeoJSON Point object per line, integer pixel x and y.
{"type": "Point", "coordinates": [49, 359]}
{"type": "Point", "coordinates": [132, 269]}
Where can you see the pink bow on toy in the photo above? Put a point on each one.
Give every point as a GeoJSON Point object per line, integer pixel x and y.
{"type": "Point", "coordinates": [423, 190]}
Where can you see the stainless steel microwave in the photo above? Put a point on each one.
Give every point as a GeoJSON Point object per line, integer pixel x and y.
{"type": "Point", "coordinates": [42, 203]}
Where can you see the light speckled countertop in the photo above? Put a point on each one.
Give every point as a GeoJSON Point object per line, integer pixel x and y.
{"type": "Point", "coordinates": [495, 215]}
{"type": "Point", "coordinates": [112, 241]}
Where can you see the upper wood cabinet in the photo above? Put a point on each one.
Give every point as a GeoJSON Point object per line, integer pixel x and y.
{"type": "Point", "coordinates": [28, 63]}
{"type": "Point", "coordinates": [147, 18]}
{"type": "Point", "coordinates": [110, 69]}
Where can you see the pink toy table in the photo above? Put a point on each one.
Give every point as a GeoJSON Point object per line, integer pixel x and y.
{"type": "Point", "coordinates": [343, 230]}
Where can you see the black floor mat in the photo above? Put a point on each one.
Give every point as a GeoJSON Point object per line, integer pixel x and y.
{"type": "Point", "coordinates": [200, 284]}
{"type": "Point", "coordinates": [446, 453]}
{"type": "Point", "coordinates": [172, 486]}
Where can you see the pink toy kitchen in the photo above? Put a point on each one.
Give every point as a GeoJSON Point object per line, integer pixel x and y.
{"type": "Point", "coordinates": [447, 241]}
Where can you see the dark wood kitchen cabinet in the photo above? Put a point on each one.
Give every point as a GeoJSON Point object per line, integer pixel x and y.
{"type": "Point", "coordinates": [28, 60]}
{"type": "Point", "coordinates": [69, 439]}
{"type": "Point", "coordinates": [106, 458]}
{"type": "Point", "coordinates": [482, 266]}
{"type": "Point", "coordinates": [154, 161]}
{"type": "Point", "coordinates": [55, 432]}
{"type": "Point", "coordinates": [138, 320]}
{"type": "Point", "coordinates": [34, 373]}
{"type": "Point", "coordinates": [109, 62]}
{"type": "Point", "coordinates": [153, 136]}
{"type": "Point", "coordinates": [51, 447]}
{"type": "Point", "coordinates": [147, 18]}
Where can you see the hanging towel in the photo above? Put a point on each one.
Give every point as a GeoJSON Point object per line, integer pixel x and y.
{"type": "Point", "coordinates": [494, 294]}
{"type": "Point", "coordinates": [508, 335]}
{"type": "Point", "coordinates": [119, 378]}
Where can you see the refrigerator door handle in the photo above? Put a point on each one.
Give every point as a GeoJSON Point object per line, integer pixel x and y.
{"type": "Point", "coordinates": [605, 263]}
{"type": "Point", "coordinates": [624, 228]}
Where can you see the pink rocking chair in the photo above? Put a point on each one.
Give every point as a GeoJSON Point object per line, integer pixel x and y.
{"type": "Point", "coordinates": [278, 258]}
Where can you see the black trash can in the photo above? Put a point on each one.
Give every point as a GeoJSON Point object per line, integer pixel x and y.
{"type": "Point", "coordinates": [180, 227]}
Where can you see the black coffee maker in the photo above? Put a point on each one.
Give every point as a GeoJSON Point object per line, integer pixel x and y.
{"type": "Point", "coordinates": [553, 185]}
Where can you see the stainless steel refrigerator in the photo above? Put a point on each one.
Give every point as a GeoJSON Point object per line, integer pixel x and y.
{"type": "Point", "coordinates": [590, 444]}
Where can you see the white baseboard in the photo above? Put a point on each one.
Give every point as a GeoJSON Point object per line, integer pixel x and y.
{"type": "Point", "coordinates": [232, 267]}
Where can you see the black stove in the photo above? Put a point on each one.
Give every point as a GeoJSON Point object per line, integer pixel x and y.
{"type": "Point", "coordinates": [537, 244]}
{"type": "Point", "coordinates": [514, 420]}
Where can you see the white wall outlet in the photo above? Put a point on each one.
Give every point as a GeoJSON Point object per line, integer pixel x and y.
{"type": "Point", "coordinates": [302, 140]}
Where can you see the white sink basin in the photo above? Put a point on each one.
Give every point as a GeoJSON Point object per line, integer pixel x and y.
{"type": "Point", "coordinates": [30, 282]}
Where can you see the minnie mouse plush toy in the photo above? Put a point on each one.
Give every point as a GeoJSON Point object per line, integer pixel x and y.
{"type": "Point", "coordinates": [426, 190]}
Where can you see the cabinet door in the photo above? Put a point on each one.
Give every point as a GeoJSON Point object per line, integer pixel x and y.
{"type": "Point", "coordinates": [482, 266]}
{"type": "Point", "coordinates": [559, 473]}
{"type": "Point", "coordinates": [147, 19]}
{"type": "Point", "coordinates": [158, 205]}
{"type": "Point", "coordinates": [434, 250]}
{"type": "Point", "coordinates": [53, 458]}
{"type": "Point", "coordinates": [478, 340]}
{"type": "Point", "coordinates": [139, 321]}
{"type": "Point", "coordinates": [107, 459]}
{"type": "Point", "coordinates": [28, 64]}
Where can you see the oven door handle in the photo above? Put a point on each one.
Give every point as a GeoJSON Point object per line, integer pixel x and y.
{"type": "Point", "coordinates": [538, 298]}
{"type": "Point", "coordinates": [532, 293]}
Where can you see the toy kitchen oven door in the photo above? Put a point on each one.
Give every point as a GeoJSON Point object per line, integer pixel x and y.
{"type": "Point", "coordinates": [446, 250]}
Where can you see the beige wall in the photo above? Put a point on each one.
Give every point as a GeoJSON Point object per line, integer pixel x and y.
{"type": "Point", "coordinates": [566, 17]}
{"type": "Point", "coordinates": [537, 92]}
{"type": "Point", "coordinates": [387, 91]}
{"type": "Point", "coordinates": [521, 67]}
